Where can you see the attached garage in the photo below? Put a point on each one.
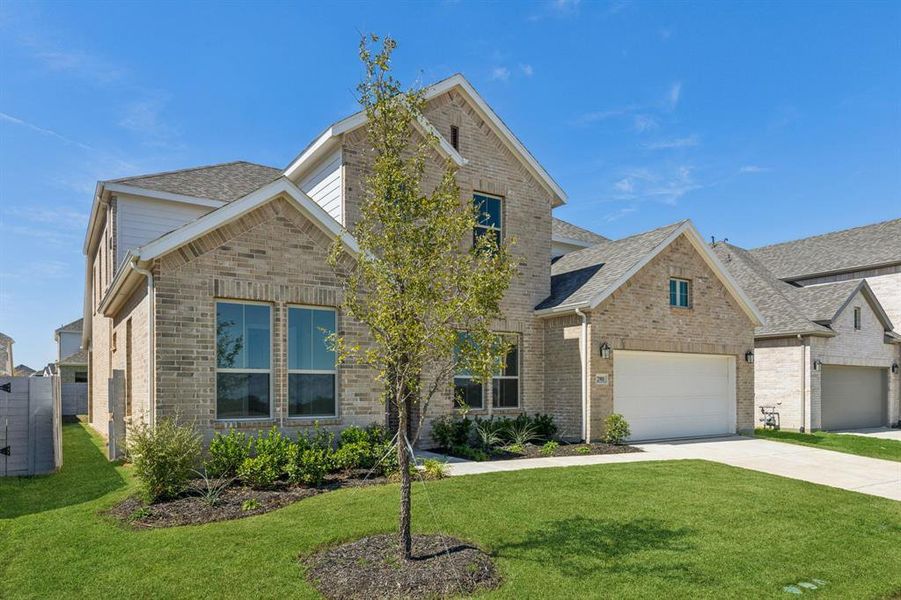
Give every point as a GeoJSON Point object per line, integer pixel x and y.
{"type": "Point", "coordinates": [853, 397]}
{"type": "Point", "coordinates": [672, 395]}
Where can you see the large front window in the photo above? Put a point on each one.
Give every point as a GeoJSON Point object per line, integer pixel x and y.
{"type": "Point", "coordinates": [489, 219]}
{"type": "Point", "coordinates": [243, 356]}
{"type": "Point", "coordinates": [467, 391]}
{"type": "Point", "coordinates": [312, 377]}
{"type": "Point", "coordinates": [505, 383]}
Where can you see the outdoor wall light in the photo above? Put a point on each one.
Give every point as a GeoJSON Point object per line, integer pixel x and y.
{"type": "Point", "coordinates": [895, 367]}
{"type": "Point", "coordinates": [749, 356]}
{"type": "Point", "coordinates": [817, 364]}
{"type": "Point", "coordinates": [605, 350]}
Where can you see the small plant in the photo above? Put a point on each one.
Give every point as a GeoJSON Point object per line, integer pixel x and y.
{"type": "Point", "coordinates": [521, 433]}
{"type": "Point", "coordinates": [583, 450]}
{"type": "Point", "coordinates": [259, 472]}
{"type": "Point", "coordinates": [470, 453]}
{"type": "Point", "coordinates": [433, 469]}
{"type": "Point", "coordinates": [515, 448]}
{"type": "Point", "coordinates": [251, 504]}
{"type": "Point", "coordinates": [616, 429]}
{"type": "Point", "coordinates": [210, 489]}
{"type": "Point", "coordinates": [163, 457]}
{"type": "Point", "coordinates": [310, 466]}
{"type": "Point", "coordinates": [276, 448]}
{"type": "Point", "coordinates": [549, 448]}
{"type": "Point", "coordinates": [226, 453]}
{"type": "Point", "coordinates": [142, 512]}
{"type": "Point", "coordinates": [448, 431]}
{"type": "Point", "coordinates": [487, 435]}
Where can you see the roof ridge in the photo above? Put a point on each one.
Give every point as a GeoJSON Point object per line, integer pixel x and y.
{"type": "Point", "coordinates": [822, 235]}
{"type": "Point", "coordinates": [189, 169]}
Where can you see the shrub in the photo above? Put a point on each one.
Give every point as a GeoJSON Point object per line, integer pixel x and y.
{"type": "Point", "coordinates": [583, 450]}
{"type": "Point", "coordinates": [515, 448]}
{"type": "Point", "coordinates": [276, 448]}
{"type": "Point", "coordinates": [310, 466]}
{"type": "Point", "coordinates": [433, 469]}
{"type": "Point", "coordinates": [259, 472]}
{"type": "Point", "coordinates": [448, 431]}
{"type": "Point", "coordinates": [487, 434]}
{"type": "Point", "coordinates": [164, 457]}
{"type": "Point", "coordinates": [353, 435]}
{"type": "Point", "coordinates": [209, 488]}
{"type": "Point", "coordinates": [470, 453]}
{"type": "Point", "coordinates": [251, 504]}
{"type": "Point", "coordinates": [386, 458]}
{"type": "Point", "coordinates": [520, 433]}
{"type": "Point", "coordinates": [616, 429]}
{"type": "Point", "coordinates": [545, 428]}
{"type": "Point", "coordinates": [226, 453]}
{"type": "Point", "coordinates": [356, 455]}
{"type": "Point", "coordinates": [549, 448]}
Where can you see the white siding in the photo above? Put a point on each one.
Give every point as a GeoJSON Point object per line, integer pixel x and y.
{"type": "Point", "coordinates": [888, 289]}
{"type": "Point", "coordinates": [323, 185]}
{"type": "Point", "coordinates": [140, 220]}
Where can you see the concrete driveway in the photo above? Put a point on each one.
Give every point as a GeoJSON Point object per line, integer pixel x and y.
{"type": "Point", "coordinates": [846, 471]}
{"type": "Point", "coordinates": [886, 433]}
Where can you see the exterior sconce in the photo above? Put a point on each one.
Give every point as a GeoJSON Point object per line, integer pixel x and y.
{"type": "Point", "coordinates": [895, 367]}
{"type": "Point", "coordinates": [749, 356]}
{"type": "Point", "coordinates": [817, 364]}
{"type": "Point", "coordinates": [605, 350]}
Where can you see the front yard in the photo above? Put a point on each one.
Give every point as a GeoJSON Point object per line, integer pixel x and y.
{"type": "Point", "coordinates": [872, 447]}
{"type": "Point", "coordinates": [680, 529]}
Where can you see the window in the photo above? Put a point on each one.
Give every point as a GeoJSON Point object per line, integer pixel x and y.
{"type": "Point", "coordinates": [467, 391]}
{"type": "Point", "coordinates": [312, 377]}
{"type": "Point", "coordinates": [679, 293]}
{"type": "Point", "coordinates": [856, 317]}
{"type": "Point", "coordinates": [505, 383]}
{"type": "Point", "coordinates": [489, 217]}
{"type": "Point", "coordinates": [455, 137]}
{"type": "Point", "coordinates": [243, 355]}
{"type": "Point", "coordinates": [81, 376]}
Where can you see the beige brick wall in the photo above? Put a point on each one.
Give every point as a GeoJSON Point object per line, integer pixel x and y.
{"type": "Point", "coordinates": [638, 317]}
{"type": "Point", "coordinates": [780, 379]}
{"type": "Point", "coordinates": [563, 390]}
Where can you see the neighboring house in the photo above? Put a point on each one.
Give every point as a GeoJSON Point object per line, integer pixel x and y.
{"type": "Point", "coordinates": [6, 355]}
{"type": "Point", "coordinates": [71, 360]}
{"type": "Point", "coordinates": [208, 291]}
{"type": "Point", "coordinates": [824, 359]}
{"type": "Point", "coordinates": [23, 371]}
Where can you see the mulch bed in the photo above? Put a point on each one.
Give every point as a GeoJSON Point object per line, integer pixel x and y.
{"type": "Point", "coordinates": [191, 509]}
{"type": "Point", "coordinates": [441, 567]}
{"type": "Point", "coordinates": [534, 451]}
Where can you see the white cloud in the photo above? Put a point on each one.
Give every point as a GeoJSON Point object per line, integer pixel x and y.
{"type": "Point", "coordinates": [43, 131]}
{"type": "Point", "coordinates": [619, 214]}
{"type": "Point", "coordinates": [565, 5]}
{"type": "Point", "coordinates": [144, 117]}
{"type": "Point", "coordinates": [644, 123]}
{"type": "Point", "coordinates": [527, 70]}
{"type": "Point", "coordinates": [674, 94]}
{"type": "Point", "coordinates": [661, 185]}
{"type": "Point", "coordinates": [667, 144]}
{"type": "Point", "coordinates": [624, 185]}
{"type": "Point", "coordinates": [72, 61]}
{"type": "Point", "coordinates": [500, 74]}
{"type": "Point", "coordinates": [753, 169]}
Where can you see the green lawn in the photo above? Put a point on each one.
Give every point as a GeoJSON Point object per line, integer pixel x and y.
{"type": "Point", "coordinates": [840, 442]}
{"type": "Point", "coordinates": [675, 529]}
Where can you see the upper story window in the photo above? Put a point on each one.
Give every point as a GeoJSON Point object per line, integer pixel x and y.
{"type": "Point", "coordinates": [489, 217]}
{"type": "Point", "coordinates": [680, 293]}
{"type": "Point", "coordinates": [856, 317]}
{"type": "Point", "coordinates": [312, 375]}
{"type": "Point", "coordinates": [243, 359]}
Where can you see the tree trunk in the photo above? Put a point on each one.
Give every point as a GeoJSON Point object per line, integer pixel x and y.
{"type": "Point", "coordinates": [403, 460]}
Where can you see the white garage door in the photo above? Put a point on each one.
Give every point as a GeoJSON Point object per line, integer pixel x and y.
{"type": "Point", "coordinates": [670, 395]}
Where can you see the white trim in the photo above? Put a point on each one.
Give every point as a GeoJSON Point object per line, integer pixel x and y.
{"type": "Point", "coordinates": [336, 414]}
{"type": "Point", "coordinates": [119, 188]}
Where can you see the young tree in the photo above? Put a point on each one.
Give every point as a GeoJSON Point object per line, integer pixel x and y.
{"type": "Point", "coordinates": [422, 277]}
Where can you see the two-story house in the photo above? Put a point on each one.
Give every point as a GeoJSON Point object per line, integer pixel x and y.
{"type": "Point", "coordinates": [208, 291]}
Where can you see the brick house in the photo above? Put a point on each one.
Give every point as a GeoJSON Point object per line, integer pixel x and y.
{"type": "Point", "coordinates": [207, 291]}
{"type": "Point", "coordinates": [828, 355]}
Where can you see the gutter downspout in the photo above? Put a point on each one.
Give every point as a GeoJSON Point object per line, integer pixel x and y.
{"type": "Point", "coordinates": [151, 346]}
{"type": "Point", "coordinates": [804, 361]}
{"type": "Point", "coordinates": [583, 355]}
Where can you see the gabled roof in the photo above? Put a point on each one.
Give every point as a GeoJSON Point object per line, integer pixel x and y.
{"type": "Point", "coordinates": [585, 278]}
{"type": "Point", "coordinates": [5, 338]}
{"type": "Point", "coordinates": [76, 358]}
{"type": "Point", "coordinates": [326, 141]}
{"type": "Point", "coordinates": [224, 182]}
{"type": "Point", "coordinates": [824, 302]}
{"type": "Point", "coordinates": [74, 327]}
{"type": "Point", "coordinates": [565, 231]}
{"type": "Point", "coordinates": [854, 249]}
{"type": "Point", "coordinates": [23, 371]}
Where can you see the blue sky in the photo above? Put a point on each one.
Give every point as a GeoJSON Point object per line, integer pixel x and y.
{"type": "Point", "coordinates": [760, 121]}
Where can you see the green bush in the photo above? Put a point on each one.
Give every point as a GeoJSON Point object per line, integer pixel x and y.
{"type": "Point", "coordinates": [386, 457]}
{"type": "Point", "coordinates": [164, 457]}
{"type": "Point", "coordinates": [356, 455]}
{"type": "Point", "coordinates": [470, 453]}
{"type": "Point", "coordinates": [448, 431]}
{"type": "Point", "coordinates": [275, 447]}
{"type": "Point", "coordinates": [310, 466]}
{"type": "Point", "coordinates": [373, 434]}
{"type": "Point", "coordinates": [226, 453]}
{"type": "Point", "coordinates": [583, 450]}
{"type": "Point", "coordinates": [549, 448]}
{"type": "Point", "coordinates": [320, 438]}
{"type": "Point", "coordinates": [433, 469]}
{"type": "Point", "coordinates": [259, 472]}
{"type": "Point", "coordinates": [545, 428]}
{"type": "Point", "coordinates": [616, 429]}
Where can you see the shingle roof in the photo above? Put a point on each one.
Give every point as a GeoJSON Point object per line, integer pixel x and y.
{"type": "Point", "coordinates": [821, 302]}
{"type": "Point", "coordinates": [562, 228]}
{"type": "Point", "coordinates": [774, 298]}
{"type": "Point", "coordinates": [76, 358]}
{"type": "Point", "coordinates": [23, 371]}
{"type": "Point", "coordinates": [847, 250]}
{"type": "Point", "coordinates": [579, 276]}
{"type": "Point", "coordinates": [75, 326]}
{"type": "Point", "coordinates": [5, 338]}
{"type": "Point", "coordinates": [225, 182]}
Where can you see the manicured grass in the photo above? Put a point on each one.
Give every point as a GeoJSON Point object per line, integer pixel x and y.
{"type": "Point", "coordinates": [668, 529]}
{"type": "Point", "coordinates": [840, 442]}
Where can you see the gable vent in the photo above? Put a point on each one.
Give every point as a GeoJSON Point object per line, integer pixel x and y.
{"type": "Point", "coordinates": [455, 137]}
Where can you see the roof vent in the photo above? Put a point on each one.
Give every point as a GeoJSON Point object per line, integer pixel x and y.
{"type": "Point", "coordinates": [455, 137]}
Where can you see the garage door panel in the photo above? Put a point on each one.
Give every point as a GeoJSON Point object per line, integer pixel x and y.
{"type": "Point", "coordinates": [852, 397]}
{"type": "Point", "coordinates": [669, 395]}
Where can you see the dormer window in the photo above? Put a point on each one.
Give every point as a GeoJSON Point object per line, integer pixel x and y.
{"type": "Point", "coordinates": [680, 293]}
{"type": "Point", "coordinates": [489, 218]}
{"type": "Point", "coordinates": [856, 317]}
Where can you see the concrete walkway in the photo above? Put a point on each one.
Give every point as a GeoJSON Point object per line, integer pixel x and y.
{"type": "Point", "coordinates": [846, 471]}
{"type": "Point", "coordinates": [885, 433]}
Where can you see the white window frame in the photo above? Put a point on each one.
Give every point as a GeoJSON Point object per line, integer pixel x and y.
{"type": "Point", "coordinates": [231, 370]}
{"type": "Point", "coordinates": [688, 295]}
{"type": "Point", "coordinates": [517, 339]}
{"type": "Point", "coordinates": [291, 371]}
{"type": "Point", "coordinates": [500, 229]}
